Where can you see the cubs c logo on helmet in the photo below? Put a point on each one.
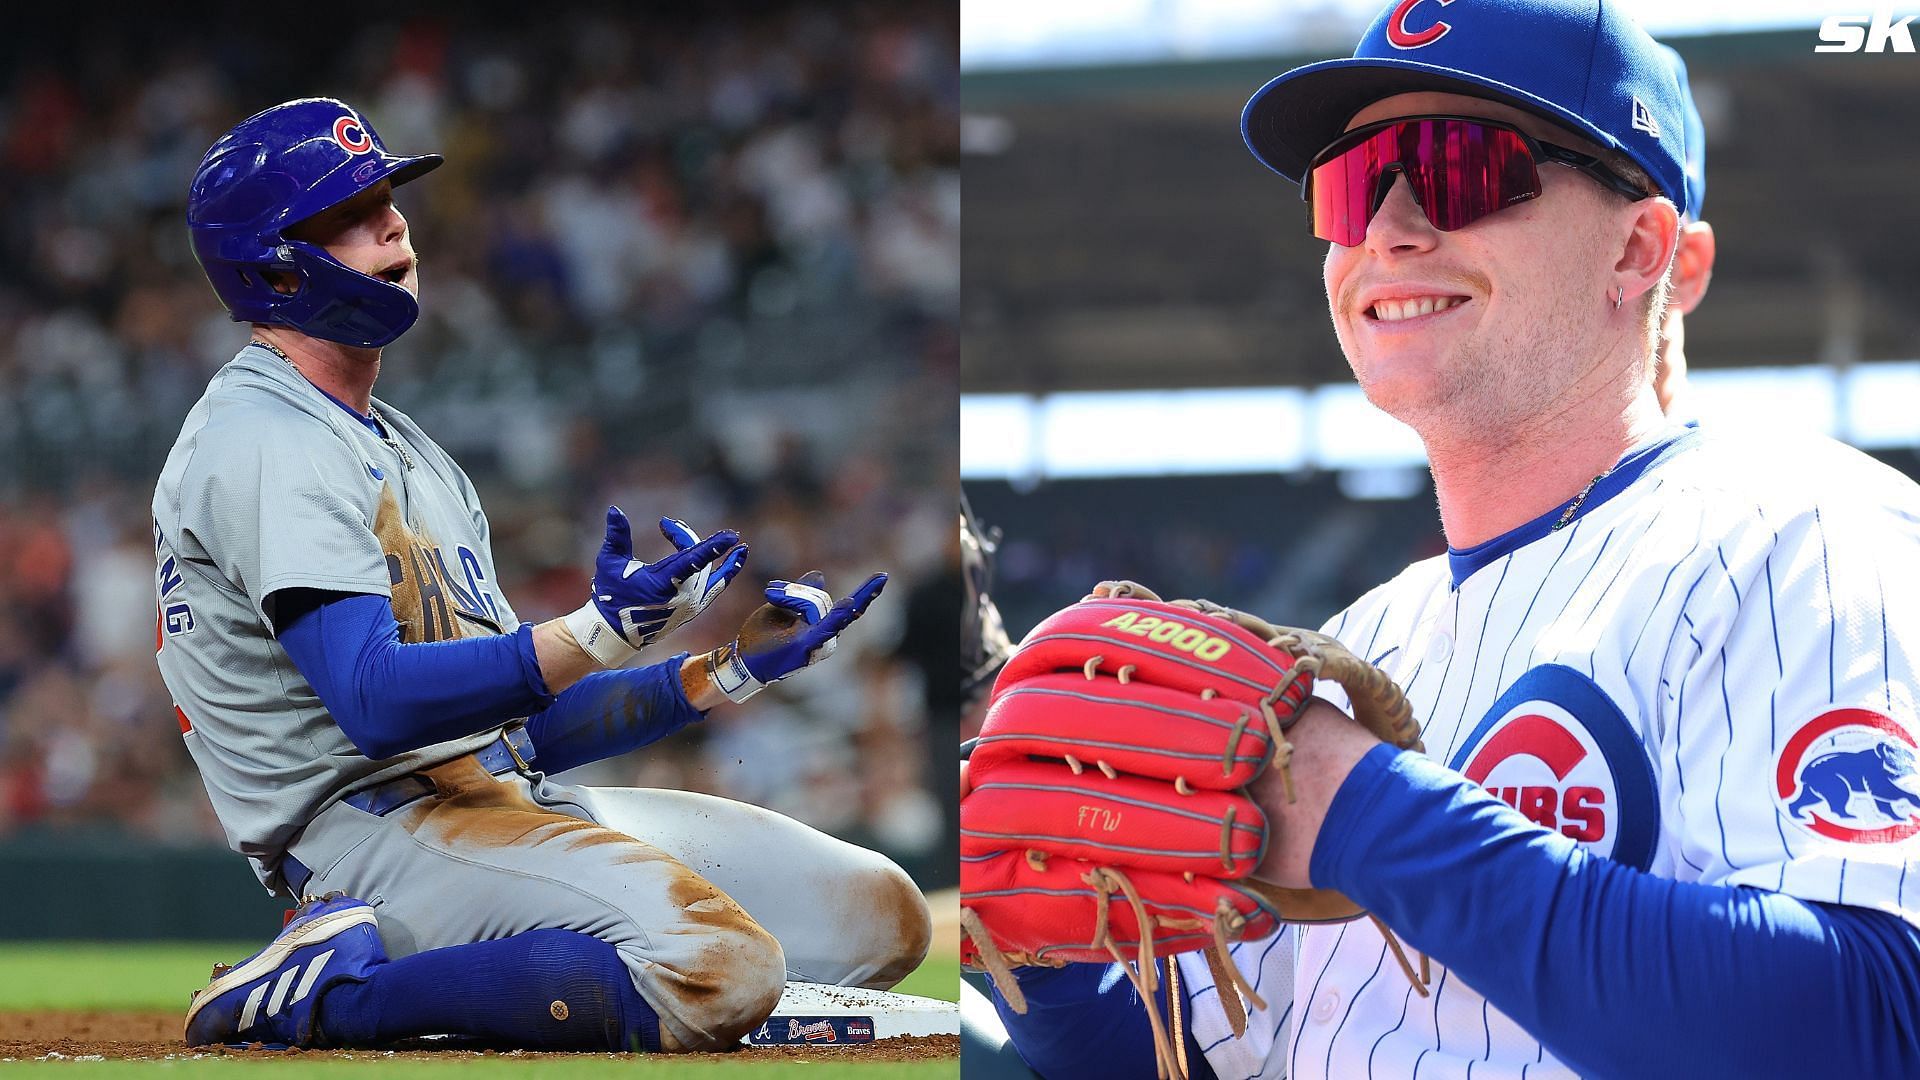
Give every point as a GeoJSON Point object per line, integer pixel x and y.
{"type": "Point", "coordinates": [1557, 749]}
{"type": "Point", "coordinates": [351, 136]}
{"type": "Point", "coordinates": [1401, 38]}
{"type": "Point", "coordinates": [1850, 775]}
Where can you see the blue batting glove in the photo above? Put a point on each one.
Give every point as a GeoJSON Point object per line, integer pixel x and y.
{"type": "Point", "coordinates": [797, 627]}
{"type": "Point", "coordinates": [635, 602]}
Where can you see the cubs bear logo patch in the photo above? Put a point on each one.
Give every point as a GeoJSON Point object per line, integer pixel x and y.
{"type": "Point", "coordinates": [1850, 775]}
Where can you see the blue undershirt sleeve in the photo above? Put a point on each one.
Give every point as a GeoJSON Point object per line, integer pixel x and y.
{"type": "Point", "coordinates": [1086, 1022]}
{"type": "Point", "coordinates": [609, 713]}
{"type": "Point", "coordinates": [1616, 971]}
{"type": "Point", "coordinates": [392, 698]}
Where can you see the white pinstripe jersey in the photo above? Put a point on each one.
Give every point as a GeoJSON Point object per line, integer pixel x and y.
{"type": "Point", "coordinates": [1707, 674]}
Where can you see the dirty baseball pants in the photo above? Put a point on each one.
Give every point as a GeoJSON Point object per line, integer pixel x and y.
{"type": "Point", "coordinates": [712, 904]}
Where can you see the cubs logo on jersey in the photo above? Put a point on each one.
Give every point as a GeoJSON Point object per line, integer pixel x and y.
{"type": "Point", "coordinates": [1557, 749]}
{"type": "Point", "coordinates": [430, 602]}
{"type": "Point", "coordinates": [1850, 775]}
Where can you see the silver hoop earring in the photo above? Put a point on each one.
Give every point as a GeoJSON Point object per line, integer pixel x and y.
{"type": "Point", "coordinates": [1619, 296]}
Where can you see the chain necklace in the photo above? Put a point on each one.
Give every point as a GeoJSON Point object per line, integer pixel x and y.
{"type": "Point", "coordinates": [386, 426]}
{"type": "Point", "coordinates": [1578, 501]}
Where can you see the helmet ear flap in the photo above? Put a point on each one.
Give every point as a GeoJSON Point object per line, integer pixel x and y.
{"type": "Point", "coordinates": [268, 280]}
{"type": "Point", "coordinates": [340, 303]}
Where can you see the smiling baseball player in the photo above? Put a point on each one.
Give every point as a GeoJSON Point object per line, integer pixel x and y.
{"type": "Point", "coordinates": [1667, 817]}
{"type": "Point", "coordinates": [374, 723]}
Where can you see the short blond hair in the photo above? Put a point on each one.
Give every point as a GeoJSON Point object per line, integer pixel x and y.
{"type": "Point", "coordinates": [1630, 171]}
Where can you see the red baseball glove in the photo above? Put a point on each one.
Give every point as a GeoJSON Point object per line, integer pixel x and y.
{"type": "Point", "coordinates": [1104, 814]}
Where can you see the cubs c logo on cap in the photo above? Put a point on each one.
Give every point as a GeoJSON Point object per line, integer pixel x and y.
{"type": "Point", "coordinates": [1401, 38]}
{"type": "Point", "coordinates": [1850, 775]}
{"type": "Point", "coordinates": [351, 136]}
{"type": "Point", "coordinates": [1557, 749]}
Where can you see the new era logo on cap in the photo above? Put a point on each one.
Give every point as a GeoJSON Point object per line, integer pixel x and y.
{"type": "Point", "coordinates": [1643, 119]}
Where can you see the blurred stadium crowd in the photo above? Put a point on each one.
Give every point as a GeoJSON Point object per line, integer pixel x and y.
{"type": "Point", "coordinates": [1292, 542]}
{"type": "Point", "coordinates": [701, 260]}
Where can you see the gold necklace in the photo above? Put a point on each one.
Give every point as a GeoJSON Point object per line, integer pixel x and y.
{"type": "Point", "coordinates": [386, 426]}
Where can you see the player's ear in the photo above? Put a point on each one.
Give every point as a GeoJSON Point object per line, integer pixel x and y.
{"type": "Point", "coordinates": [1652, 237]}
{"type": "Point", "coordinates": [1693, 266]}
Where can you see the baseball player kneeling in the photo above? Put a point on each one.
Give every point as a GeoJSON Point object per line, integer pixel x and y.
{"type": "Point", "coordinates": [1633, 762]}
{"type": "Point", "coordinates": [374, 724]}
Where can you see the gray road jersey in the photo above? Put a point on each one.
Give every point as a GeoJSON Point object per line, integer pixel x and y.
{"type": "Point", "coordinates": [272, 485]}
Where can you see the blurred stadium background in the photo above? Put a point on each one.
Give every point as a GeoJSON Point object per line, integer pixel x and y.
{"type": "Point", "coordinates": [1131, 269]}
{"type": "Point", "coordinates": [699, 260]}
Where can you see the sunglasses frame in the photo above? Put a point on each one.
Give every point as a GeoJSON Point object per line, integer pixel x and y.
{"type": "Point", "coordinates": [1541, 151]}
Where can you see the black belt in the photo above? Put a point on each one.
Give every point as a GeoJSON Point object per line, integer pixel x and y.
{"type": "Point", "coordinates": [512, 751]}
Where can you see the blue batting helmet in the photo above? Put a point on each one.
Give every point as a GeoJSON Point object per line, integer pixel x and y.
{"type": "Point", "coordinates": [274, 170]}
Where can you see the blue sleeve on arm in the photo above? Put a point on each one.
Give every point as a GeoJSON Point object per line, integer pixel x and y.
{"type": "Point", "coordinates": [1086, 1022]}
{"type": "Point", "coordinates": [391, 698]}
{"type": "Point", "coordinates": [611, 712]}
{"type": "Point", "coordinates": [1619, 972]}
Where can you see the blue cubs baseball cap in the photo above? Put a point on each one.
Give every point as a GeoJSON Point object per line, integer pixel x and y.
{"type": "Point", "coordinates": [1581, 64]}
{"type": "Point", "coordinates": [1695, 141]}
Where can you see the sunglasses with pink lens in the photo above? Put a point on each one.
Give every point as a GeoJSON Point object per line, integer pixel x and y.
{"type": "Point", "coordinates": [1459, 169]}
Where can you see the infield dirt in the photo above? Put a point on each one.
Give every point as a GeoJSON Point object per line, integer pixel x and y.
{"type": "Point", "coordinates": [138, 1036]}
